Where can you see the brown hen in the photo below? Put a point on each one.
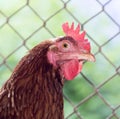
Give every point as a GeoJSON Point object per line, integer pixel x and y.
{"type": "Point", "coordinates": [34, 90]}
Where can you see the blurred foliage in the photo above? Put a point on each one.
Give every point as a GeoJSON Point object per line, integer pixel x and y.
{"type": "Point", "coordinates": [22, 27]}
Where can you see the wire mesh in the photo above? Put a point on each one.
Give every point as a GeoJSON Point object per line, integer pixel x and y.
{"type": "Point", "coordinates": [102, 49]}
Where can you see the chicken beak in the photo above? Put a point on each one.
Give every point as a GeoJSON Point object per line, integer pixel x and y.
{"type": "Point", "coordinates": [79, 56]}
{"type": "Point", "coordinates": [86, 56]}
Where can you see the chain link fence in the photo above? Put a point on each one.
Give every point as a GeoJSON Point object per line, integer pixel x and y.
{"type": "Point", "coordinates": [94, 94]}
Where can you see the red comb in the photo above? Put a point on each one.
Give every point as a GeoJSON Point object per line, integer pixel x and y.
{"type": "Point", "coordinates": [74, 33]}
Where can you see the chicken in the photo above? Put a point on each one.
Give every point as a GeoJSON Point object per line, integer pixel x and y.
{"type": "Point", "coordinates": [34, 90]}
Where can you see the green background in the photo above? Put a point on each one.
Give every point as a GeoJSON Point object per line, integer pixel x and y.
{"type": "Point", "coordinates": [24, 24]}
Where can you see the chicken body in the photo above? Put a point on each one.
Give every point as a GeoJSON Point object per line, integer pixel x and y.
{"type": "Point", "coordinates": [34, 90]}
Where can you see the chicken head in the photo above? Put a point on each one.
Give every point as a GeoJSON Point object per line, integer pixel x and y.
{"type": "Point", "coordinates": [69, 52]}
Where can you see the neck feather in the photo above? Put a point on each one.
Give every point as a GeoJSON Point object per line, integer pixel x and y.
{"type": "Point", "coordinates": [35, 87]}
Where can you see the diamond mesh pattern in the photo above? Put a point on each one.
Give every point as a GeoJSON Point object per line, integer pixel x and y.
{"type": "Point", "coordinates": [94, 94]}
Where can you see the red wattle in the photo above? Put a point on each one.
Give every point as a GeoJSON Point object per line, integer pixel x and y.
{"type": "Point", "coordinates": [71, 68]}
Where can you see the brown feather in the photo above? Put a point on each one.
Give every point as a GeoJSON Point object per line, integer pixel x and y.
{"type": "Point", "coordinates": [34, 90]}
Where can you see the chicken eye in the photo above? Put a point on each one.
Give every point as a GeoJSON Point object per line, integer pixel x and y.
{"type": "Point", "coordinates": [65, 45]}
